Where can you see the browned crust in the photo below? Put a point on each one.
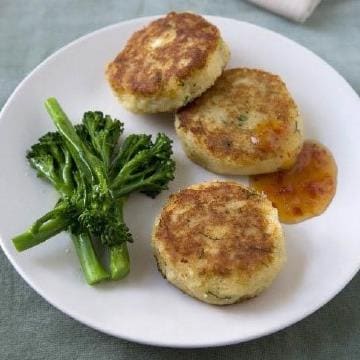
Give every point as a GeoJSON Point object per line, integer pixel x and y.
{"type": "Point", "coordinates": [227, 141]}
{"type": "Point", "coordinates": [143, 70]}
{"type": "Point", "coordinates": [245, 247]}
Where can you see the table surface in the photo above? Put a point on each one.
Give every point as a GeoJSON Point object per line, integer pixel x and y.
{"type": "Point", "coordinates": [30, 328]}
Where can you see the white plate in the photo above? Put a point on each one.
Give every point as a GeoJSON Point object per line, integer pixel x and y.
{"type": "Point", "coordinates": [323, 253]}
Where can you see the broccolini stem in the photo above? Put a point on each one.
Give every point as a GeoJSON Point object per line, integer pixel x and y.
{"type": "Point", "coordinates": [136, 186]}
{"type": "Point", "coordinates": [127, 189]}
{"type": "Point", "coordinates": [90, 265]}
{"type": "Point", "coordinates": [67, 172]}
{"type": "Point", "coordinates": [84, 160]}
{"type": "Point", "coordinates": [51, 228]}
{"type": "Point", "coordinates": [119, 261]}
{"type": "Point", "coordinates": [119, 254]}
{"type": "Point", "coordinates": [121, 180]}
{"type": "Point", "coordinates": [60, 210]}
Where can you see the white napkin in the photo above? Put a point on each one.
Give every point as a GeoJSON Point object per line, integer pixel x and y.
{"type": "Point", "coordinates": [298, 10]}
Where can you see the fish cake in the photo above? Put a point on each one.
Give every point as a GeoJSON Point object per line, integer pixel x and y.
{"type": "Point", "coordinates": [219, 242]}
{"type": "Point", "coordinates": [168, 63]}
{"type": "Point", "coordinates": [246, 124]}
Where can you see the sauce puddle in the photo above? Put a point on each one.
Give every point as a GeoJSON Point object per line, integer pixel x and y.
{"type": "Point", "coordinates": [306, 189]}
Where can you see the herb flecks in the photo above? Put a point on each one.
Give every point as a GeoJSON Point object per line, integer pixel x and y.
{"type": "Point", "coordinates": [242, 118]}
{"type": "Point", "coordinates": [218, 296]}
{"type": "Point", "coordinates": [296, 127]}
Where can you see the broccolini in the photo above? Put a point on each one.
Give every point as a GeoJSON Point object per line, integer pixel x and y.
{"type": "Point", "coordinates": [94, 173]}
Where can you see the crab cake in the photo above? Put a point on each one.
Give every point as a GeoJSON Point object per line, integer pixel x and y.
{"type": "Point", "coordinates": [168, 63]}
{"type": "Point", "coordinates": [246, 124]}
{"type": "Point", "coordinates": [219, 242]}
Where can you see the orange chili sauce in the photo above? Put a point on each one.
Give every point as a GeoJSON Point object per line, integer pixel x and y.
{"type": "Point", "coordinates": [306, 189]}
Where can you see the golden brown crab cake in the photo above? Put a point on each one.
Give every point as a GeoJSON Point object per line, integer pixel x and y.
{"type": "Point", "coordinates": [246, 124]}
{"type": "Point", "coordinates": [219, 242]}
{"type": "Point", "coordinates": [168, 63]}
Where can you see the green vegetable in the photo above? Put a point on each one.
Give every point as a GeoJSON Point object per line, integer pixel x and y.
{"type": "Point", "coordinates": [94, 176]}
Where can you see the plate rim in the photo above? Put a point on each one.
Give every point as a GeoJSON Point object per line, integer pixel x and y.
{"type": "Point", "coordinates": [160, 343]}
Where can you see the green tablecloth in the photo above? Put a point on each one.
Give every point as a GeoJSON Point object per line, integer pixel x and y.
{"type": "Point", "coordinates": [30, 328]}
